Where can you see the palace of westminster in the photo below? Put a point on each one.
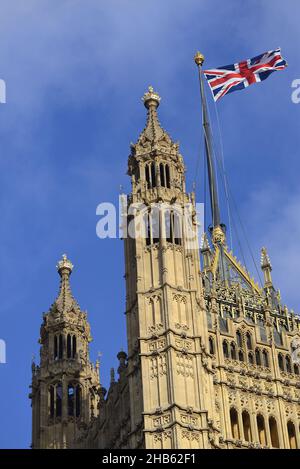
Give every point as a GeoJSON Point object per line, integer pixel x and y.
{"type": "Point", "coordinates": [212, 358]}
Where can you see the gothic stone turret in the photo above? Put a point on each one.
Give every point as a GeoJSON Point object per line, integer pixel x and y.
{"type": "Point", "coordinates": [169, 374]}
{"type": "Point", "coordinates": [65, 386]}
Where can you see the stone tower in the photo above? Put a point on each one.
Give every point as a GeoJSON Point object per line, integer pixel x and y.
{"type": "Point", "coordinates": [170, 381]}
{"type": "Point", "coordinates": [65, 387]}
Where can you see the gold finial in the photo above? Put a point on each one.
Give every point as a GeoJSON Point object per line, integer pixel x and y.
{"type": "Point", "coordinates": [218, 236]}
{"type": "Point", "coordinates": [199, 58]}
{"type": "Point", "coordinates": [151, 97]}
{"type": "Point", "coordinates": [64, 263]}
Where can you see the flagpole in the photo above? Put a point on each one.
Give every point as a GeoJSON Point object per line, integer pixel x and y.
{"type": "Point", "coordinates": [214, 201]}
{"type": "Point", "coordinates": [218, 231]}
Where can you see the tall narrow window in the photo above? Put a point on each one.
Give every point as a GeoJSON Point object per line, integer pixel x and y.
{"type": "Point", "coordinates": [55, 348]}
{"type": "Point", "coordinates": [211, 346]}
{"type": "Point", "coordinates": [234, 424]}
{"type": "Point", "coordinates": [280, 362]}
{"type": "Point", "coordinates": [233, 351]}
{"type": "Point", "coordinates": [261, 430]}
{"type": "Point", "coordinates": [241, 356]}
{"type": "Point", "coordinates": [60, 346]}
{"type": "Point", "coordinates": [246, 425]}
{"type": "Point", "coordinates": [58, 400]}
{"type": "Point", "coordinates": [262, 330]}
{"type": "Point", "coordinates": [292, 435]}
{"type": "Point", "coordinates": [257, 357]}
{"type": "Point", "coordinates": [162, 175]}
{"type": "Point", "coordinates": [265, 358]}
{"type": "Point", "coordinates": [249, 341]}
{"type": "Point", "coordinates": [69, 346]}
{"type": "Point", "coordinates": [277, 336]}
{"type": "Point", "coordinates": [225, 349]}
{"type": "Point", "coordinates": [177, 228]}
{"type": "Point", "coordinates": [239, 339]}
{"type": "Point", "coordinates": [296, 369]}
{"type": "Point", "coordinates": [168, 226]}
{"type": "Point", "coordinates": [153, 179]}
{"type": "Point", "coordinates": [223, 324]}
{"type": "Point", "coordinates": [250, 358]}
{"type": "Point", "coordinates": [168, 176]}
{"type": "Point", "coordinates": [273, 432]}
{"type": "Point", "coordinates": [288, 366]}
{"type": "Point", "coordinates": [51, 401]}
{"type": "Point", "coordinates": [147, 172]}
{"type": "Point", "coordinates": [71, 399]}
{"type": "Point", "coordinates": [78, 400]}
{"type": "Point", "coordinates": [74, 348]}
{"type": "Point", "coordinates": [147, 227]}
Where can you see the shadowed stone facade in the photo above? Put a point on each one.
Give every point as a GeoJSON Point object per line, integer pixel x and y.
{"type": "Point", "coordinates": [213, 359]}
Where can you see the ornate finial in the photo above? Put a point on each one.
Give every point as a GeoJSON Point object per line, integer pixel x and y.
{"type": "Point", "coordinates": [151, 98]}
{"type": "Point", "coordinates": [199, 58]}
{"type": "Point", "coordinates": [64, 264]}
{"type": "Point", "coordinates": [264, 259]}
{"type": "Point", "coordinates": [218, 236]}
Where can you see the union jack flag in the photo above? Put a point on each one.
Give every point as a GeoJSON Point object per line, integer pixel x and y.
{"type": "Point", "coordinates": [238, 76]}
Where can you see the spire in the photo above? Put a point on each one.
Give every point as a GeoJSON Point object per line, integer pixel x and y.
{"type": "Point", "coordinates": [65, 301]}
{"type": "Point", "coordinates": [153, 132]}
{"type": "Point", "coordinates": [266, 267]}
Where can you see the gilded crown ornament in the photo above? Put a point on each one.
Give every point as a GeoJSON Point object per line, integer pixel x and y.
{"type": "Point", "coordinates": [64, 263]}
{"type": "Point", "coordinates": [151, 97]}
{"type": "Point", "coordinates": [199, 58]}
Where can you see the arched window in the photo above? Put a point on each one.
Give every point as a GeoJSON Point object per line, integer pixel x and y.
{"type": "Point", "coordinates": [280, 362]}
{"type": "Point", "coordinates": [234, 423]}
{"type": "Point", "coordinates": [273, 432]}
{"type": "Point", "coordinates": [211, 346]}
{"type": "Point", "coordinates": [58, 400]}
{"type": "Point", "coordinates": [60, 346]}
{"type": "Point", "coordinates": [246, 425]}
{"type": "Point", "coordinates": [249, 341]}
{"type": "Point", "coordinates": [55, 354]}
{"type": "Point", "coordinates": [241, 356]}
{"type": "Point", "coordinates": [292, 435]}
{"type": "Point", "coordinates": [162, 175]}
{"type": "Point", "coordinates": [168, 176]}
{"type": "Point", "coordinates": [296, 369]}
{"type": "Point", "coordinates": [261, 430]}
{"type": "Point", "coordinates": [288, 366]}
{"type": "Point", "coordinates": [233, 351]}
{"type": "Point", "coordinates": [265, 358]}
{"type": "Point", "coordinates": [168, 226]}
{"type": "Point", "coordinates": [225, 349]}
{"type": "Point", "coordinates": [69, 346]}
{"type": "Point", "coordinates": [239, 339]}
{"type": "Point", "coordinates": [74, 348]}
{"type": "Point", "coordinates": [51, 401]}
{"type": "Point", "coordinates": [250, 358]}
{"type": "Point", "coordinates": [257, 357]}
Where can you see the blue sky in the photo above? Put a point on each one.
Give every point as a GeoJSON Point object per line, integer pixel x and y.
{"type": "Point", "coordinates": [75, 72]}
